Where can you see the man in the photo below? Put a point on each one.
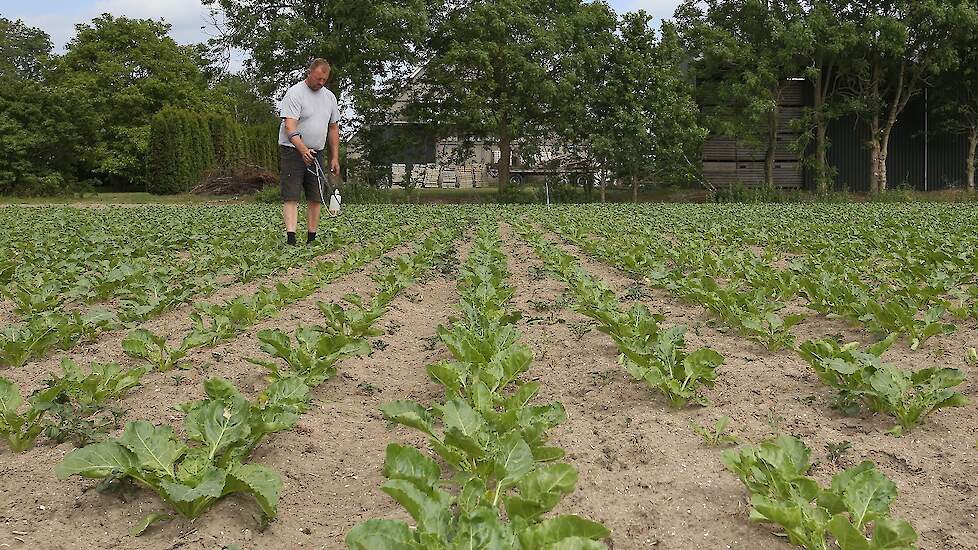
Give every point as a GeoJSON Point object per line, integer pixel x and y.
{"type": "Point", "coordinates": [310, 118]}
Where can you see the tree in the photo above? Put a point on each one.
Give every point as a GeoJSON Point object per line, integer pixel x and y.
{"type": "Point", "coordinates": [498, 70]}
{"type": "Point", "coordinates": [30, 111]}
{"type": "Point", "coordinates": [901, 46]}
{"type": "Point", "coordinates": [747, 50]}
{"type": "Point", "coordinates": [643, 116]}
{"type": "Point", "coordinates": [32, 163]}
{"type": "Point", "coordinates": [957, 90]}
{"type": "Point", "coordinates": [833, 37]}
{"type": "Point", "coordinates": [371, 45]}
{"type": "Point", "coordinates": [242, 101]}
{"type": "Point", "coordinates": [127, 70]}
{"type": "Point", "coordinates": [24, 51]}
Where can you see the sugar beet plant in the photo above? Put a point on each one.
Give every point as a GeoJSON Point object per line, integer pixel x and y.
{"type": "Point", "coordinates": [192, 474]}
{"type": "Point", "coordinates": [862, 378]}
{"type": "Point", "coordinates": [74, 406]}
{"type": "Point", "coordinates": [853, 513]}
{"type": "Point", "coordinates": [487, 433]}
{"type": "Point", "coordinates": [649, 353]}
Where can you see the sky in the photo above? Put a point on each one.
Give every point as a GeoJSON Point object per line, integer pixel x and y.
{"type": "Point", "coordinates": [190, 20]}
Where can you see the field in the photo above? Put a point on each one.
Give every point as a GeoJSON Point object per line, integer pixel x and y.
{"type": "Point", "coordinates": [510, 377]}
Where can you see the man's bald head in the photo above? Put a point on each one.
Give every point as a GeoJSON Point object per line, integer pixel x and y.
{"type": "Point", "coordinates": [318, 74]}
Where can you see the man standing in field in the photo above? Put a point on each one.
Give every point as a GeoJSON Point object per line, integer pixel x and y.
{"type": "Point", "coordinates": [310, 118]}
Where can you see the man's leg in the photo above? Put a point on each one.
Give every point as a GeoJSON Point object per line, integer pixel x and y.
{"type": "Point", "coordinates": [290, 213]}
{"type": "Point", "coordinates": [293, 172]}
{"type": "Point", "coordinates": [315, 208]}
{"type": "Point", "coordinates": [314, 199]}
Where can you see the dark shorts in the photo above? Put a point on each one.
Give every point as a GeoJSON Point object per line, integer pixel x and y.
{"type": "Point", "coordinates": [296, 176]}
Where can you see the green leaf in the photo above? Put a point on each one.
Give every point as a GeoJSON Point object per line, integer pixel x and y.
{"type": "Point", "coordinates": [409, 464]}
{"type": "Point", "coordinates": [218, 426]}
{"type": "Point", "coordinates": [408, 413]}
{"type": "Point", "coordinates": [10, 399]}
{"type": "Point", "coordinates": [97, 461]}
{"type": "Point", "coordinates": [457, 414]}
{"type": "Point", "coordinates": [259, 481]}
{"type": "Point", "coordinates": [381, 534]}
{"type": "Point", "coordinates": [560, 528]}
{"type": "Point", "coordinates": [540, 491]}
{"type": "Point", "coordinates": [513, 461]}
{"type": "Point", "coordinates": [429, 506]}
{"type": "Point", "coordinates": [148, 520]}
{"type": "Point", "coordinates": [211, 485]}
{"type": "Point", "coordinates": [868, 496]}
{"type": "Point", "coordinates": [482, 528]}
{"type": "Point", "coordinates": [893, 534]}
{"type": "Point", "coordinates": [155, 447]}
{"type": "Point", "coordinates": [848, 536]}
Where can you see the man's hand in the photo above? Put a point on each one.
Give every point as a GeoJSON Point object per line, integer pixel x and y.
{"type": "Point", "coordinates": [308, 156]}
{"type": "Point", "coordinates": [334, 166]}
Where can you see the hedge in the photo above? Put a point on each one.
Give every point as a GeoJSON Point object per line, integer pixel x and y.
{"type": "Point", "coordinates": [184, 146]}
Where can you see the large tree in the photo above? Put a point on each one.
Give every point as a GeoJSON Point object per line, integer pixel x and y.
{"type": "Point", "coordinates": [371, 45]}
{"type": "Point", "coordinates": [507, 70]}
{"type": "Point", "coordinates": [834, 37]}
{"type": "Point", "coordinates": [25, 51]}
{"type": "Point", "coordinates": [643, 116]}
{"type": "Point", "coordinates": [901, 46]}
{"type": "Point", "coordinates": [746, 50]}
{"type": "Point", "coordinates": [957, 90]}
{"type": "Point", "coordinates": [126, 70]}
{"type": "Point", "coordinates": [31, 112]}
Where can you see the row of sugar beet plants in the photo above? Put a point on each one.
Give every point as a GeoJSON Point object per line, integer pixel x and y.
{"type": "Point", "coordinates": [191, 474]}
{"type": "Point", "coordinates": [81, 411]}
{"type": "Point", "coordinates": [649, 353]}
{"type": "Point", "coordinates": [861, 378]}
{"type": "Point", "coordinates": [214, 323]}
{"type": "Point", "coordinates": [854, 511]}
{"type": "Point", "coordinates": [502, 476]}
{"type": "Point", "coordinates": [858, 277]}
{"type": "Point", "coordinates": [755, 312]}
{"type": "Point", "coordinates": [63, 328]}
{"type": "Point", "coordinates": [131, 254]}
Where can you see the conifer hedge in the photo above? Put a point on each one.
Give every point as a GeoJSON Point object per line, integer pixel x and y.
{"type": "Point", "coordinates": [184, 146]}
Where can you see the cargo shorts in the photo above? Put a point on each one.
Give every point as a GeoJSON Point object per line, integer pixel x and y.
{"type": "Point", "coordinates": [296, 176]}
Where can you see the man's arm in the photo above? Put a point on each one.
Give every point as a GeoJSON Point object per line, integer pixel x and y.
{"type": "Point", "coordinates": [291, 127]}
{"type": "Point", "coordinates": [333, 137]}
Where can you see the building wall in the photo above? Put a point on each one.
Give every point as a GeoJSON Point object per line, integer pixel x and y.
{"type": "Point", "coordinates": [725, 162]}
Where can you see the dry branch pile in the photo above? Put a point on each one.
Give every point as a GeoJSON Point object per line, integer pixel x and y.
{"type": "Point", "coordinates": [240, 180]}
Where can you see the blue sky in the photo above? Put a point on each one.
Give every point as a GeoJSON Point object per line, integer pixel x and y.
{"type": "Point", "coordinates": [58, 17]}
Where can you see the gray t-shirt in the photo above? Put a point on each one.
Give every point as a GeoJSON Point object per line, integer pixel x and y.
{"type": "Point", "coordinates": [314, 111]}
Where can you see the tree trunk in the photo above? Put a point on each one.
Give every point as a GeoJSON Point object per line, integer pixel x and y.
{"type": "Point", "coordinates": [604, 184]}
{"type": "Point", "coordinates": [875, 153]}
{"type": "Point", "coordinates": [970, 163]}
{"type": "Point", "coordinates": [635, 189]}
{"type": "Point", "coordinates": [772, 145]}
{"type": "Point", "coordinates": [505, 151]}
